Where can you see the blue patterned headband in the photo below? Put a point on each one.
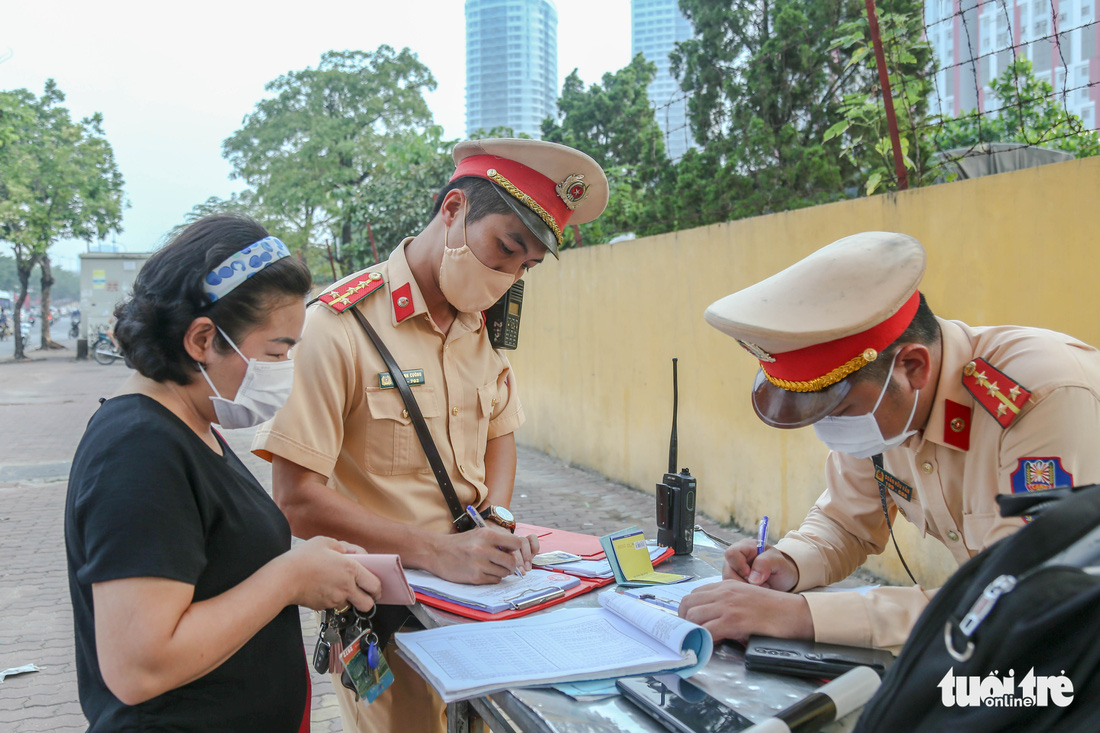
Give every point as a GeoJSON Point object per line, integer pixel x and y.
{"type": "Point", "coordinates": [242, 265]}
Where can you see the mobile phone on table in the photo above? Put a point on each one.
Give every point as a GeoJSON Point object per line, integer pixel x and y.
{"type": "Point", "coordinates": [801, 658]}
{"type": "Point", "coordinates": [681, 706]}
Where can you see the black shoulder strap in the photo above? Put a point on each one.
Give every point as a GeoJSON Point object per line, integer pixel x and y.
{"type": "Point", "coordinates": [877, 460]}
{"type": "Point", "coordinates": [417, 418]}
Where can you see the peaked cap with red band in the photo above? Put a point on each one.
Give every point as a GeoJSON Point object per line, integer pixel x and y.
{"type": "Point", "coordinates": [547, 185]}
{"type": "Point", "coordinates": [821, 320]}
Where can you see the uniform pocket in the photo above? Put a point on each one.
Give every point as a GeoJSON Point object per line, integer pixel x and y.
{"type": "Point", "coordinates": [487, 396]}
{"type": "Point", "coordinates": [392, 446]}
{"type": "Point", "coordinates": [975, 529]}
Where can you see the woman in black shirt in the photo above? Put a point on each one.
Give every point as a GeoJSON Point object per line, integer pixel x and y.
{"type": "Point", "coordinates": [183, 583]}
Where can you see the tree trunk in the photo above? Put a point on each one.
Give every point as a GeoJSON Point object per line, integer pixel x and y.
{"type": "Point", "coordinates": [47, 283]}
{"type": "Point", "coordinates": [23, 268]}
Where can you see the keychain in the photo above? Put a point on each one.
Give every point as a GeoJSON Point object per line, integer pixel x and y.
{"type": "Point", "coordinates": [367, 667]}
{"type": "Point", "coordinates": [323, 650]}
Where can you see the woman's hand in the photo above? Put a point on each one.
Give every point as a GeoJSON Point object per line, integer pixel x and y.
{"type": "Point", "coordinates": [324, 575]}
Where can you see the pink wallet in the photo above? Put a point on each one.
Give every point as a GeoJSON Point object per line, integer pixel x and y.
{"type": "Point", "coordinates": [395, 587]}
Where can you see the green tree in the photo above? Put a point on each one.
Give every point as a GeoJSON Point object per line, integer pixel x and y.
{"type": "Point", "coordinates": [764, 84]}
{"type": "Point", "coordinates": [306, 150]}
{"type": "Point", "coordinates": [58, 180]}
{"type": "Point", "coordinates": [616, 125]}
{"type": "Point", "coordinates": [396, 201]}
{"type": "Point", "coordinates": [1028, 112]}
{"type": "Point", "coordinates": [862, 127]}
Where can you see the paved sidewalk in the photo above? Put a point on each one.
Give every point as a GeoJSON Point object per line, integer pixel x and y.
{"type": "Point", "coordinates": [44, 406]}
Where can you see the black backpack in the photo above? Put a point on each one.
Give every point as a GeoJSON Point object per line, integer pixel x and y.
{"type": "Point", "coordinates": [1022, 617]}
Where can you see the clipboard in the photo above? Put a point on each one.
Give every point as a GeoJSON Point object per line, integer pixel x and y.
{"type": "Point", "coordinates": [523, 609]}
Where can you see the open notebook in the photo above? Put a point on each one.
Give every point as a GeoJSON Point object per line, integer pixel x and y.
{"type": "Point", "coordinates": [622, 637]}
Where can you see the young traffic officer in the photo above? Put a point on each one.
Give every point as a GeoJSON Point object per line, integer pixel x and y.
{"type": "Point", "coordinates": [346, 458]}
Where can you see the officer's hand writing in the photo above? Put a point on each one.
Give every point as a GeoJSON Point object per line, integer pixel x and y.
{"type": "Point", "coordinates": [480, 556]}
{"type": "Point", "coordinates": [324, 575]}
{"type": "Point", "coordinates": [771, 569]}
{"type": "Point", "coordinates": [735, 610]}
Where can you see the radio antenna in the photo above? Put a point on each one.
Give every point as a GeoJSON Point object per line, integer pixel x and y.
{"type": "Point", "coordinates": [675, 408]}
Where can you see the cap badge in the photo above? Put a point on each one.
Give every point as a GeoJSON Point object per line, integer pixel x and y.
{"type": "Point", "coordinates": [756, 351]}
{"type": "Point", "coordinates": [572, 190]}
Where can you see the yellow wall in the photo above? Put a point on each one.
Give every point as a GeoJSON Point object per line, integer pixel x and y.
{"type": "Point", "coordinates": [601, 326]}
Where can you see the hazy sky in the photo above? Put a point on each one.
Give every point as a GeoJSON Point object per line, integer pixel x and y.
{"type": "Point", "coordinates": [175, 79]}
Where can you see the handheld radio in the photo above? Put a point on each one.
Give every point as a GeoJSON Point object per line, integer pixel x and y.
{"type": "Point", "coordinates": [676, 494]}
{"type": "Point", "coordinates": [502, 318]}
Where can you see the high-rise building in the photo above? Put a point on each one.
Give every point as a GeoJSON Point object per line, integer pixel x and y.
{"type": "Point", "coordinates": [511, 64]}
{"type": "Point", "coordinates": [655, 27]}
{"type": "Point", "coordinates": [976, 40]}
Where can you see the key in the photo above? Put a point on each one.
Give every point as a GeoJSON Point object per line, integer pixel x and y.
{"type": "Point", "coordinates": [322, 651]}
{"type": "Point", "coordinates": [373, 659]}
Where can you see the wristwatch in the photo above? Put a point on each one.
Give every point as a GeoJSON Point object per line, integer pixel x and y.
{"type": "Point", "coordinates": [501, 516]}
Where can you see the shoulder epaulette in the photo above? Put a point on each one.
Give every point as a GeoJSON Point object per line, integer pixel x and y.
{"type": "Point", "coordinates": [348, 294]}
{"type": "Point", "coordinates": [1001, 396]}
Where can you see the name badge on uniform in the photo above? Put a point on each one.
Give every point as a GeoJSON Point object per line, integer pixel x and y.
{"type": "Point", "coordinates": [412, 376]}
{"type": "Point", "coordinates": [893, 483]}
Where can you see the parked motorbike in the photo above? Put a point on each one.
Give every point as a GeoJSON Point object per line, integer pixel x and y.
{"type": "Point", "coordinates": [104, 351]}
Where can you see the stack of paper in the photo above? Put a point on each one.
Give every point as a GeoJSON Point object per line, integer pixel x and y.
{"type": "Point", "coordinates": [512, 592]}
{"type": "Point", "coordinates": [623, 637]}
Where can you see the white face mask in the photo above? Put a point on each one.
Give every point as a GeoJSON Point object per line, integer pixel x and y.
{"type": "Point", "coordinates": [264, 389]}
{"type": "Point", "coordinates": [466, 282]}
{"type": "Point", "coordinates": [859, 436]}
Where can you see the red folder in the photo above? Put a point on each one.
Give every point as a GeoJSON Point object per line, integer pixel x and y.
{"type": "Point", "coordinates": [585, 545]}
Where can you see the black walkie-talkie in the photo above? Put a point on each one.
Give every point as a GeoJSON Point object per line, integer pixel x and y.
{"type": "Point", "coordinates": [502, 318]}
{"type": "Point", "coordinates": [676, 494]}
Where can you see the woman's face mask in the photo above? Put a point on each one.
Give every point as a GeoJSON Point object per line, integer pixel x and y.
{"type": "Point", "coordinates": [859, 436]}
{"type": "Point", "coordinates": [467, 283]}
{"type": "Point", "coordinates": [264, 389]}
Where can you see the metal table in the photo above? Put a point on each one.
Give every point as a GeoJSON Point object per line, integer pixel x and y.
{"type": "Point", "coordinates": [753, 694]}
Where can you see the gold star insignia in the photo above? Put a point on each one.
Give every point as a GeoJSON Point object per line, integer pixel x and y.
{"type": "Point", "coordinates": [1014, 393]}
{"type": "Point", "coordinates": [992, 387]}
{"type": "Point", "coordinates": [980, 376]}
{"type": "Point", "coordinates": [1001, 409]}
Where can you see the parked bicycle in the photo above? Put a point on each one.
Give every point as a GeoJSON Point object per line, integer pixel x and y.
{"type": "Point", "coordinates": [104, 350]}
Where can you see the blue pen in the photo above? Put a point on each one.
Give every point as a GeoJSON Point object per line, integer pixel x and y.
{"type": "Point", "coordinates": [762, 536]}
{"type": "Point", "coordinates": [480, 522]}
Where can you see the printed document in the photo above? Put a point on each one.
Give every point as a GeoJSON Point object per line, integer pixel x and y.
{"type": "Point", "coordinates": [511, 592]}
{"type": "Point", "coordinates": [622, 637]}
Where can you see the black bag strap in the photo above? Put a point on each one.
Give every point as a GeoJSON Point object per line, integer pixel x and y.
{"type": "Point", "coordinates": [877, 460]}
{"type": "Point", "coordinates": [418, 422]}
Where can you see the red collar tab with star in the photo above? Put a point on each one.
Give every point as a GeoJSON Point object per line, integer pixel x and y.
{"type": "Point", "coordinates": [1001, 396]}
{"type": "Point", "coordinates": [345, 296]}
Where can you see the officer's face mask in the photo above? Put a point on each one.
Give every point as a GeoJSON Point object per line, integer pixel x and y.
{"type": "Point", "coordinates": [859, 436]}
{"type": "Point", "coordinates": [467, 283]}
{"type": "Point", "coordinates": [264, 389]}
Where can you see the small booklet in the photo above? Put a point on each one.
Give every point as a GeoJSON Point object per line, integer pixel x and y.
{"type": "Point", "coordinates": [600, 568]}
{"type": "Point", "coordinates": [628, 554]}
{"type": "Point", "coordinates": [511, 593]}
{"type": "Point", "coordinates": [622, 637]}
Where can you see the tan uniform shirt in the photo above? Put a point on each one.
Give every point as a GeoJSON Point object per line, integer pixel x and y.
{"type": "Point", "coordinates": [342, 423]}
{"type": "Point", "coordinates": [954, 491]}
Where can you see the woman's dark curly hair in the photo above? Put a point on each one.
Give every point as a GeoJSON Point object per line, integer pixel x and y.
{"type": "Point", "coordinates": [168, 295]}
